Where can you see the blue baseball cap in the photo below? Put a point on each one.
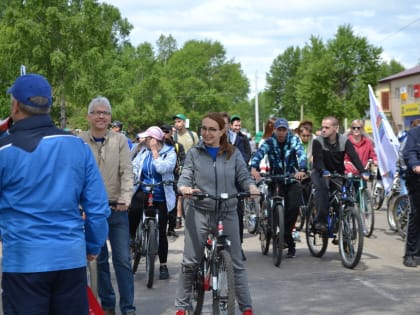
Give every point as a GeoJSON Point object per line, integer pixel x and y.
{"type": "Point", "coordinates": [31, 85]}
{"type": "Point", "coordinates": [281, 122]}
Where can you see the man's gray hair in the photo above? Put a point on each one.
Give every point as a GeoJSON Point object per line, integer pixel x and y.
{"type": "Point", "coordinates": [100, 100]}
{"type": "Point", "coordinates": [32, 110]}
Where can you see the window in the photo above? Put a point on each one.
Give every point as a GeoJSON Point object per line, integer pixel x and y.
{"type": "Point", "coordinates": [385, 101]}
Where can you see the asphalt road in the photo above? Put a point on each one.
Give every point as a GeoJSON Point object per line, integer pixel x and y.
{"type": "Point", "coordinates": [380, 284]}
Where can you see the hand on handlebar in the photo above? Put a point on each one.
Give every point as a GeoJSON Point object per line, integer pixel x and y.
{"type": "Point", "coordinates": [188, 191]}
{"type": "Point", "coordinates": [255, 174]}
{"type": "Point", "coordinates": [300, 175]}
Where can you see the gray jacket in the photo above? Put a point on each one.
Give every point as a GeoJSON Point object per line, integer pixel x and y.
{"type": "Point", "coordinates": [214, 177]}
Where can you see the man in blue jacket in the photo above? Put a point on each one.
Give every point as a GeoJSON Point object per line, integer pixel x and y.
{"type": "Point", "coordinates": [46, 175]}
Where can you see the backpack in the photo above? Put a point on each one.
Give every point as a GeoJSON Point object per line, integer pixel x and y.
{"type": "Point", "coordinates": [189, 132]}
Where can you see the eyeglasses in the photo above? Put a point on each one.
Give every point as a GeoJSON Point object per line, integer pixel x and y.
{"type": "Point", "coordinates": [209, 130]}
{"type": "Point", "coordinates": [356, 128]}
{"type": "Point", "coordinates": [98, 113]}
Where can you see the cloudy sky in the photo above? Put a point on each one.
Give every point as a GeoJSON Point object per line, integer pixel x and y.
{"type": "Point", "coordinates": [255, 32]}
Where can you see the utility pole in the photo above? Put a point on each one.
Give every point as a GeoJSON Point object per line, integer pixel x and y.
{"type": "Point", "coordinates": [257, 118]}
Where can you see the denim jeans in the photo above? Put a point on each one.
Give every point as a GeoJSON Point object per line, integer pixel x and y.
{"type": "Point", "coordinates": [119, 239]}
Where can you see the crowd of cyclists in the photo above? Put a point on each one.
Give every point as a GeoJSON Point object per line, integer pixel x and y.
{"type": "Point", "coordinates": [219, 158]}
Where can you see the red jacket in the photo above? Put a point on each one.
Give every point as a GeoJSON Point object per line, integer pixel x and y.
{"type": "Point", "coordinates": [364, 149]}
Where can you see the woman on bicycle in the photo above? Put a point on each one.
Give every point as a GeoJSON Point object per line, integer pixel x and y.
{"type": "Point", "coordinates": [213, 166]}
{"type": "Point", "coordinates": [362, 145]}
{"type": "Point", "coordinates": [151, 166]}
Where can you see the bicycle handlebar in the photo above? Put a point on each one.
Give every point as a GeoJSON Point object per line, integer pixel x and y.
{"type": "Point", "coordinates": [279, 178]}
{"type": "Point", "coordinates": [223, 196]}
{"type": "Point", "coordinates": [150, 186]}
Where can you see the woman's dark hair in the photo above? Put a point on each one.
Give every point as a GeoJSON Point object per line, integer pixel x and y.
{"type": "Point", "coordinates": [269, 128]}
{"type": "Point", "coordinates": [225, 146]}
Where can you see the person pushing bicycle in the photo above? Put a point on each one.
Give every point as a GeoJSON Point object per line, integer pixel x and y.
{"type": "Point", "coordinates": [151, 166]}
{"type": "Point", "coordinates": [213, 166]}
{"type": "Point", "coordinates": [286, 155]}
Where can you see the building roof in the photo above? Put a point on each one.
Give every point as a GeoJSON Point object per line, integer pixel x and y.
{"type": "Point", "coordinates": [405, 73]}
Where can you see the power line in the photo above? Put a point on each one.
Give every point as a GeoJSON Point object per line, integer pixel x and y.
{"type": "Point", "coordinates": [402, 28]}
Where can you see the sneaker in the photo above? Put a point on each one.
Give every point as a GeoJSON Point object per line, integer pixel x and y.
{"type": "Point", "coordinates": [291, 252]}
{"type": "Point", "coordinates": [172, 233]}
{"type": "Point", "coordinates": [182, 312]}
{"type": "Point", "coordinates": [109, 312]}
{"type": "Point", "coordinates": [409, 261]}
{"type": "Point", "coordinates": [247, 312]}
{"type": "Point", "coordinates": [163, 272]}
{"type": "Point", "coordinates": [178, 223]}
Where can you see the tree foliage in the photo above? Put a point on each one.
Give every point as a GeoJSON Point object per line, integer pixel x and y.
{"type": "Point", "coordinates": [82, 47]}
{"type": "Point", "coordinates": [330, 79]}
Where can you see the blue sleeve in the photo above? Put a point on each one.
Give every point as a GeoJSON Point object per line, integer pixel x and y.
{"type": "Point", "coordinates": [94, 200]}
{"type": "Point", "coordinates": [259, 155]}
{"type": "Point", "coordinates": [411, 150]}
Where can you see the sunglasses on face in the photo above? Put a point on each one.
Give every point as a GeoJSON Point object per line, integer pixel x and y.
{"type": "Point", "coordinates": [356, 128]}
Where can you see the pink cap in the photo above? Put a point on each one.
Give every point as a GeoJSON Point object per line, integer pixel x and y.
{"type": "Point", "coordinates": [154, 132]}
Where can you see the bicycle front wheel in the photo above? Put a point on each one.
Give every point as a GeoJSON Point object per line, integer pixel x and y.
{"type": "Point", "coordinates": [151, 253]}
{"type": "Point", "coordinates": [350, 238]}
{"type": "Point", "coordinates": [367, 214]}
{"type": "Point", "coordinates": [401, 211]}
{"type": "Point", "coordinates": [278, 234]}
{"type": "Point", "coordinates": [250, 215]}
{"type": "Point", "coordinates": [390, 212]}
{"type": "Point", "coordinates": [264, 229]}
{"type": "Point", "coordinates": [378, 195]}
{"type": "Point", "coordinates": [224, 292]}
{"type": "Point", "coordinates": [136, 249]}
{"type": "Point", "coordinates": [197, 298]}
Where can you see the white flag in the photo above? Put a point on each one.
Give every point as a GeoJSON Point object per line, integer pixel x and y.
{"type": "Point", "coordinates": [386, 143]}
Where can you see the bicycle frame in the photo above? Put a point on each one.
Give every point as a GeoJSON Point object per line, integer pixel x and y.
{"type": "Point", "coordinates": [215, 272]}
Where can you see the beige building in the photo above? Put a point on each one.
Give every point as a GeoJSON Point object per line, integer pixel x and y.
{"type": "Point", "coordinates": [399, 95]}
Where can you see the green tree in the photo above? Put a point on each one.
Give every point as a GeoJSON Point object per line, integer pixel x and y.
{"type": "Point", "coordinates": [333, 78]}
{"type": "Point", "coordinates": [73, 43]}
{"type": "Point", "coordinates": [282, 83]}
{"type": "Point", "coordinates": [388, 69]}
{"type": "Point", "coordinates": [204, 80]}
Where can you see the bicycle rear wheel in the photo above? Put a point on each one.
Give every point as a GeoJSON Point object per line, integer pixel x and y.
{"type": "Point", "coordinates": [151, 253]}
{"type": "Point", "coordinates": [317, 242]}
{"type": "Point", "coordinates": [136, 249]}
{"type": "Point", "coordinates": [278, 234]}
{"type": "Point", "coordinates": [367, 214]}
{"type": "Point", "coordinates": [224, 293]}
{"type": "Point", "coordinates": [350, 238]}
{"type": "Point", "coordinates": [401, 210]}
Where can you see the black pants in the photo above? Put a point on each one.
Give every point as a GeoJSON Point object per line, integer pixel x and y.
{"type": "Point", "coordinates": [294, 200]}
{"type": "Point", "coordinates": [135, 213]}
{"type": "Point", "coordinates": [412, 244]}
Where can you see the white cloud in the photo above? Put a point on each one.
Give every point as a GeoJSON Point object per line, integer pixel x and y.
{"type": "Point", "coordinates": [255, 32]}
